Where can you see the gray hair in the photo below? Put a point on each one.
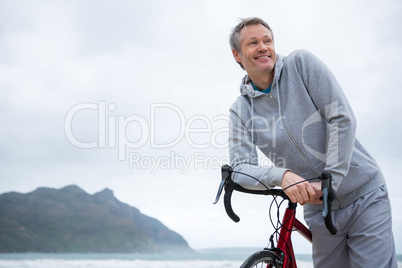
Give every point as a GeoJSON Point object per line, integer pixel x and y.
{"type": "Point", "coordinates": [234, 38]}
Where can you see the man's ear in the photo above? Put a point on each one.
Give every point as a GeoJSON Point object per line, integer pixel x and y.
{"type": "Point", "coordinates": [236, 55]}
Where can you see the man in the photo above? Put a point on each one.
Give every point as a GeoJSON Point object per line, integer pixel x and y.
{"type": "Point", "coordinates": [295, 112]}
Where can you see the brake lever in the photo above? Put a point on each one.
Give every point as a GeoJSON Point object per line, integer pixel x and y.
{"type": "Point", "coordinates": [329, 195]}
{"type": "Point", "coordinates": [226, 171]}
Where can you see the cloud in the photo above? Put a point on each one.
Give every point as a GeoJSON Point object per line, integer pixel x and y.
{"type": "Point", "coordinates": [135, 54]}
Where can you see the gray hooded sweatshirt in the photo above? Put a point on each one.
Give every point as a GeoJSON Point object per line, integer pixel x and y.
{"type": "Point", "coordinates": [305, 125]}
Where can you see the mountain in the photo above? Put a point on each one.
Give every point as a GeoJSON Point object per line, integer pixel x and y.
{"type": "Point", "coordinates": [71, 220]}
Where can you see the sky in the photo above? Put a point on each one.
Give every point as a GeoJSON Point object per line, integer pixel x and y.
{"type": "Point", "coordinates": [134, 96]}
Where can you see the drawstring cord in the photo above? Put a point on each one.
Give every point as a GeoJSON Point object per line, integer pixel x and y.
{"type": "Point", "coordinates": [252, 110]}
{"type": "Point", "coordinates": [252, 125]}
{"type": "Point", "coordinates": [279, 99]}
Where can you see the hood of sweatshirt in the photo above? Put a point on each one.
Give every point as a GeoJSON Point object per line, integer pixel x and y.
{"type": "Point", "coordinates": [247, 89]}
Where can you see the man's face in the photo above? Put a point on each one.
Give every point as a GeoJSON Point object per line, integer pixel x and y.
{"type": "Point", "coordinates": [257, 53]}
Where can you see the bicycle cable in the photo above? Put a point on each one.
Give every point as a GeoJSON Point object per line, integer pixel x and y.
{"type": "Point", "coordinates": [278, 224]}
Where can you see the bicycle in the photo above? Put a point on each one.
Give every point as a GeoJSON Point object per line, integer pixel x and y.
{"type": "Point", "coordinates": [281, 255]}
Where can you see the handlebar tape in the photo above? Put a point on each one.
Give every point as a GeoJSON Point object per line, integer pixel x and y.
{"type": "Point", "coordinates": [228, 204]}
{"type": "Point", "coordinates": [329, 195]}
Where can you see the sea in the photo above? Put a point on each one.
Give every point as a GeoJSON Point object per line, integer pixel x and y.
{"type": "Point", "coordinates": [204, 258]}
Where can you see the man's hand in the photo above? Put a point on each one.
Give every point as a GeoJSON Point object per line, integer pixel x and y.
{"type": "Point", "coordinates": [303, 192]}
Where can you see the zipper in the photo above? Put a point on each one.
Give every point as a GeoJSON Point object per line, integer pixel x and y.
{"type": "Point", "coordinates": [293, 139]}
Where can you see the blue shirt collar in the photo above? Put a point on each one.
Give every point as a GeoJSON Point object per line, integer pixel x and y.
{"type": "Point", "coordinates": [267, 90]}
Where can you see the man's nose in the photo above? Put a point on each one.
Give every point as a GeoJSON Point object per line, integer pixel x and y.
{"type": "Point", "coordinates": [262, 47]}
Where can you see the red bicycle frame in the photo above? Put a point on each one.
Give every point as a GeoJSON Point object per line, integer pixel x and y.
{"type": "Point", "coordinates": [290, 223]}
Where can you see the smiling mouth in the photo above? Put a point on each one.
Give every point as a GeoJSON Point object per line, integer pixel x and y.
{"type": "Point", "coordinates": [262, 57]}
